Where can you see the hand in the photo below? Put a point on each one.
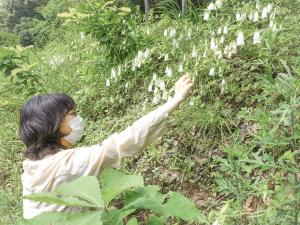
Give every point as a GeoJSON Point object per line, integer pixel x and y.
{"type": "Point", "coordinates": [183, 87]}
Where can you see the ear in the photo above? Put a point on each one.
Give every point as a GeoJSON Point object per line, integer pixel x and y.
{"type": "Point", "coordinates": [64, 128]}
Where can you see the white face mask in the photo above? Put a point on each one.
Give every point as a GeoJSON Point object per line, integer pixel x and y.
{"type": "Point", "coordinates": [77, 126]}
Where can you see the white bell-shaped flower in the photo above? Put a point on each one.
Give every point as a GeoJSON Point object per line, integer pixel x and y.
{"type": "Point", "coordinates": [238, 17]}
{"type": "Point", "coordinates": [255, 17]}
{"type": "Point", "coordinates": [269, 8]}
{"type": "Point", "coordinates": [206, 16]}
{"type": "Point", "coordinates": [211, 6]}
{"type": "Point", "coordinates": [213, 44]}
{"type": "Point", "coordinates": [225, 30]}
{"type": "Point", "coordinates": [150, 87]}
{"type": "Point", "coordinates": [240, 39]}
{"type": "Point", "coordinates": [180, 70]}
{"type": "Point", "coordinates": [194, 53]}
{"type": "Point", "coordinates": [113, 73]}
{"type": "Point", "coordinates": [264, 13]}
{"type": "Point", "coordinates": [166, 57]}
{"type": "Point", "coordinates": [162, 85]}
{"type": "Point", "coordinates": [256, 38]}
{"type": "Point", "coordinates": [218, 3]}
{"type": "Point", "coordinates": [219, 31]}
{"type": "Point", "coordinates": [155, 100]}
{"type": "Point", "coordinates": [154, 78]}
{"type": "Point", "coordinates": [212, 72]}
{"type": "Point", "coordinates": [107, 83]}
{"type": "Point", "coordinates": [168, 71]}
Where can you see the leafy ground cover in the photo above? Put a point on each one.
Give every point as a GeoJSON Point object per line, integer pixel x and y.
{"type": "Point", "coordinates": [234, 149]}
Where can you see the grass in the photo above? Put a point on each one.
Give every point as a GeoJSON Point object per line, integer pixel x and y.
{"type": "Point", "coordinates": [230, 145]}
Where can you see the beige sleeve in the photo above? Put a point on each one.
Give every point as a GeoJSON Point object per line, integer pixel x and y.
{"type": "Point", "coordinates": [135, 137]}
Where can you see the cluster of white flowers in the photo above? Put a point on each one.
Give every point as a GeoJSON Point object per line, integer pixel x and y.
{"type": "Point", "coordinates": [171, 32]}
{"type": "Point", "coordinates": [140, 58]}
{"type": "Point", "coordinates": [240, 16]}
{"type": "Point", "coordinates": [158, 87]}
{"type": "Point", "coordinates": [265, 12]}
{"type": "Point", "coordinates": [115, 73]}
{"type": "Point", "coordinates": [212, 6]}
{"type": "Point", "coordinates": [55, 61]}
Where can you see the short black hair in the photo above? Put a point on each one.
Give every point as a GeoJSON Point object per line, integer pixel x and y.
{"type": "Point", "coordinates": [40, 118]}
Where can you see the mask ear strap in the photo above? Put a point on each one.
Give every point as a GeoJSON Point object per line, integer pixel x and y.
{"type": "Point", "coordinates": [65, 143]}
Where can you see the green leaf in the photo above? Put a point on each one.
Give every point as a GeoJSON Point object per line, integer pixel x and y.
{"type": "Point", "coordinates": [154, 220]}
{"type": "Point", "coordinates": [115, 216]}
{"type": "Point", "coordinates": [125, 9]}
{"type": "Point", "coordinates": [288, 155]}
{"type": "Point", "coordinates": [145, 198]}
{"type": "Point", "coordinates": [132, 221]}
{"type": "Point", "coordinates": [53, 198]}
{"type": "Point", "coordinates": [181, 207]}
{"type": "Point", "coordinates": [86, 188]}
{"type": "Point", "coordinates": [115, 182]}
{"type": "Point", "coordinates": [89, 218]}
{"type": "Point", "coordinates": [60, 218]}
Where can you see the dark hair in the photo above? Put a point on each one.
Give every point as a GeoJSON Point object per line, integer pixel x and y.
{"type": "Point", "coordinates": [40, 118]}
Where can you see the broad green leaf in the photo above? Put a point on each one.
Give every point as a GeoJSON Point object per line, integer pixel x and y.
{"type": "Point", "coordinates": [115, 216]}
{"type": "Point", "coordinates": [60, 218]}
{"type": "Point", "coordinates": [132, 221]}
{"type": "Point", "coordinates": [115, 182]}
{"type": "Point", "coordinates": [53, 198]}
{"type": "Point", "coordinates": [45, 219]}
{"type": "Point", "coordinates": [145, 198]}
{"type": "Point", "coordinates": [88, 218]}
{"type": "Point", "coordinates": [181, 207]}
{"type": "Point", "coordinates": [86, 188]}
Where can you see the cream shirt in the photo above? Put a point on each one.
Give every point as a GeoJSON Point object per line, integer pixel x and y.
{"type": "Point", "coordinates": [67, 165]}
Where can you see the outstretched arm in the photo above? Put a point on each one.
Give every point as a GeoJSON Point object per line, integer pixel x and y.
{"type": "Point", "coordinates": [127, 143]}
{"type": "Point", "coordinates": [146, 129]}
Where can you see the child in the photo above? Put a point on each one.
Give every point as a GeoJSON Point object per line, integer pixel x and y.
{"type": "Point", "coordinates": [49, 127]}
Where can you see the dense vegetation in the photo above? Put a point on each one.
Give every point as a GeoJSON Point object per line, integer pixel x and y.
{"type": "Point", "coordinates": [235, 146]}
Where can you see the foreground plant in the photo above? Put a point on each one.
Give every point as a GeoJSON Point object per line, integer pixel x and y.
{"type": "Point", "coordinates": [86, 193]}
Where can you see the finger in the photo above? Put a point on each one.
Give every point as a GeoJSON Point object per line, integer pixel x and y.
{"type": "Point", "coordinates": [188, 81]}
{"type": "Point", "coordinates": [190, 86]}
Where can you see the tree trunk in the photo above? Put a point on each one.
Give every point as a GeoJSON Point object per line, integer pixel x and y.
{"type": "Point", "coordinates": [146, 4]}
{"type": "Point", "coordinates": [183, 5]}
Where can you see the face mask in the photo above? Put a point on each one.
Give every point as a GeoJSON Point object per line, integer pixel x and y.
{"type": "Point", "coordinates": [77, 126]}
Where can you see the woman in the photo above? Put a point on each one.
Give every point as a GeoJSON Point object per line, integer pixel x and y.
{"type": "Point", "coordinates": [49, 126]}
